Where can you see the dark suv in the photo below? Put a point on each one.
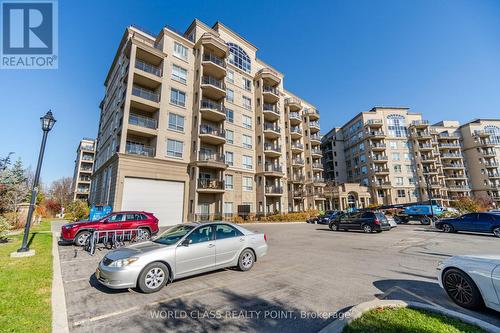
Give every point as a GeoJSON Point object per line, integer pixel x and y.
{"type": "Point", "coordinates": [366, 221]}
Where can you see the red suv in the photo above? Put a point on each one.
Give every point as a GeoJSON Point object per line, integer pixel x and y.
{"type": "Point", "coordinates": [78, 232]}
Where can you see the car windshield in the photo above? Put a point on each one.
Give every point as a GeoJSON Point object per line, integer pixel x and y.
{"type": "Point", "coordinates": [173, 235]}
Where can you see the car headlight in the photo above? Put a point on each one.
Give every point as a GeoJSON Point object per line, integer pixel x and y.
{"type": "Point", "coordinates": [69, 226]}
{"type": "Point", "coordinates": [123, 262]}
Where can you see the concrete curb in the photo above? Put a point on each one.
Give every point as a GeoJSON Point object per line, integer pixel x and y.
{"type": "Point", "coordinates": [59, 315]}
{"type": "Point", "coordinates": [355, 312]}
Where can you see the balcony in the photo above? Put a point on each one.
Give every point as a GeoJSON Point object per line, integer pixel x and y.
{"type": "Point", "coordinates": [420, 123]}
{"type": "Point", "coordinates": [297, 147]}
{"type": "Point", "coordinates": [315, 139]}
{"type": "Point", "coordinates": [429, 171]}
{"type": "Point", "coordinates": [423, 135]}
{"type": "Point", "coordinates": [139, 149]}
{"type": "Point", "coordinates": [213, 88]}
{"type": "Point", "coordinates": [210, 186]}
{"type": "Point", "coordinates": [142, 121]}
{"type": "Point", "coordinates": [376, 123]}
{"type": "Point", "coordinates": [445, 156]}
{"type": "Point", "coordinates": [375, 134]}
{"type": "Point", "coordinates": [491, 164]}
{"type": "Point", "coordinates": [295, 132]}
{"type": "Point", "coordinates": [270, 94]}
{"type": "Point", "coordinates": [317, 166]}
{"type": "Point", "coordinates": [211, 160]}
{"type": "Point", "coordinates": [146, 96]}
{"type": "Point", "coordinates": [489, 153]}
{"type": "Point", "coordinates": [271, 131]}
{"type": "Point", "coordinates": [269, 75]}
{"type": "Point", "coordinates": [493, 175]}
{"type": "Point", "coordinates": [381, 171]}
{"type": "Point", "coordinates": [88, 147]}
{"type": "Point", "coordinates": [84, 179]}
{"type": "Point", "coordinates": [83, 190]}
{"type": "Point", "coordinates": [295, 118]}
{"type": "Point", "coordinates": [313, 126]}
{"type": "Point", "coordinates": [315, 152]}
{"type": "Point", "coordinates": [272, 150]}
{"type": "Point", "coordinates": [455, 176]}
{"type": "Point", "coordinates": [297, 162]}
{"type": "Point", "coordinates": [293, 103]}
{"type": "Point", "coordinates": [148, 68]}
{"type": "Point", "coordinates": [271, 111]}
{"type": "Point", "coordinates": [213, 65]}
{"type": "Point", "coordinates": [298, 194]}
{"type": "Point", "coordinates": [212, 110]}
{"type": "Point", "coordinates": [425, 146]}
{"type": "Point", "coordinates": [312, 113]}
{"type": "Point", "coordinates": [212, 135]}
{"type": "Point", "coordinates": [488, 143]}
{"type": "Point", "coordinates": [458, 188]}
{"type": "Point", "coordinates": [380, 158]}
{"type": "Point", "coordinates": [446, 136]}
{"type": "Point", "coordinates": [453, 166]}
{"type": "Point", "coordinates": [318, 180]}
{"type": "Point", "coordinates": [298, 178]}
{"type": "Point", "coordinates": [383, 184]}
{"type": "Point", "coordinates": [273, 190]}
{"type": "Point", "coordinates": [86, 169]}
{"type": "Point", "coordinates": [481, 134]}
{"type": "Point", "coordinates": [449, 145]}
{"type": "Point", "coordinates": [378, 147]}
{"type": "Point", "coordinates": [273, 170]}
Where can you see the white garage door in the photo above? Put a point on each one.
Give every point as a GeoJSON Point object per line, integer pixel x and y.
{"type": "Point", "coordinates": [165, 199]}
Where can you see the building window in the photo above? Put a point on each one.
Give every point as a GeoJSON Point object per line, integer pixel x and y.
{"type": "Point", "coordinates": [229, 158]}
{"type": "Point", "coordinates": [395, 156]}
{"type": "Point", "coordinates": [180, 51]}
{"type": "Point", "coordinates": [230, 76]}
{"type": "Point", "coordinates": [229, 95]}
{"type": "Point", "coordinates": [228, 208]}
{"type": "Point", "coordinates": [393, 144]}
{"type": "Point", "coordinates": [397, 168]}
{"type": "Point", "coordinates": [177, 97]}
{"type": "Point", "coordinates": [407, 156]}
{"type": "Point", "coordinates": [175, 122]}
{"type": "Point", "coordinates": [247, 162]}
{"type": "Point", "coordinates": [397, 125]}
{"type": "Point", "coordinates": [228, 182]}
{"type": "Point", "coordinates": [229, 136]}
{"type": "Point", "coordinates": [247, 183]}
{"type": "Point", "coordinates": [247, 102]}
{"type": "Point", "coordinates": [247, 84]}
{"type": "Point", "coordinates": [239, 58]}
{"type": "Point", "coordinates": [401, 193]}
{"type": "Point", "coordinates": [229, 115]}
{"type": "Point", "coordinates": [179, 74]}
{"type": "Point", "coordinates": [247, 141]}
{"type": "Point", "coordinates": [247, 121]}
{"type": "Point", "coordinates": [399, 181]}
{"type": "Point", "coordinates": [364, 170]}
{"type": "Point", "coordinates": [174, 148]}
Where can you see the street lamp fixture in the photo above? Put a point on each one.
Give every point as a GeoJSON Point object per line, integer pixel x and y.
{"type": "Point", "coordinates": [47, 122]}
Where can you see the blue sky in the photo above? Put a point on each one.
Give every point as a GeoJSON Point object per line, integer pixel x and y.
{"type": "Point", "coordinates": [441, 58]}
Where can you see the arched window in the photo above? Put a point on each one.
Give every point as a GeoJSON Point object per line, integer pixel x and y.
{"type": "Point", "coordinates": [397, 125]}
{"type": "Point", "coordinates": [239, 58]}
{"type": "Point", "coordinates": [494, 133]}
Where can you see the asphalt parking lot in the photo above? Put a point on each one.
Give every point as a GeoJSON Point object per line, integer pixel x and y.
{"type": "Point", "coordinates": [308, 278]}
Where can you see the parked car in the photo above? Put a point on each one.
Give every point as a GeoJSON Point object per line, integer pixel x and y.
{"type": "Point", "coordinates": [183, 250]}
{"type": "Point", "coordinates": [366, 221]}
{"type": "Point", "coordinates": [316, 219]}
{"type": "Point", "coordinates": [78, 232]}
{"type": "Point", "coordinates": [473, 222]}
{"type": "Point", "coordinates": [471, 281]}
{"type": "Point", "coordinates": [391, 221]}
{"type": "Point", "coordinates": [327, 217]}
{"type": "Point", "coordinates": [494, 211]}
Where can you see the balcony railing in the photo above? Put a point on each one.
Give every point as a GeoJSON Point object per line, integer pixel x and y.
{"type": "Point", "coordinates": [420, 122]}
{"type": "Point", "coordinates": [449, 145]}
{"type": "Point", "coordinates": [273, 168]}
{"type": "Point", "coordinates": [295, 115]}
{"type": "Point", "coordinates": [315, 137]}
{"type": "Point", "coordinates": [274, 189]}
{"type": "Point", "coordinates": [380, 158]}
{"type": "Point", "coordinates": [489, 153]}
{"type": "Point", "coordinates": [138, 149]}
{"type": "Point", "coordinates": [206, 79]}
{"type": "Point", "coordinates": [459, 187]}
{"type": "Point", "coordinates": [145, 93]}
{"type": "Point", "coordinates": [271, 90]}
{"type": "Point", "coordinates": [316, 151]}
{"type": "Point", "coordinates": [491, 164]}
{"type": "Point", "coordinates": [206, 129]}
{"type": "Point", "coordinates": [317, 165]}
{"type": "Point", "coordinates": [144, 66]}
{"type": "Point", "coordinates": [298, 145]}
{"type": "Point", "coordinates": [298, 161]}
{"type": "Point", "coordinates": [445, 155]}
{"type": "Point", "coordinates": [87, 147]}
{"type": "Point", "coordinates": [453, 165]}
{"type": "Point", "coordinates": [384, 170]}
{"type": "Point", "coordinates": [270, 108]}
{"type": "Point", "coordinates": [318, 180]}
{"type": "Point", "coordinates": [272, 127]}
{"type": "Point", "coordinates": [211, 184]}
{"type": "Point", "coordinates": [276, 148]}
{"type": "Point", "coordinates": [211, 157]}
{"type": "Point", "coordinates": [82, 190]}
{"type": "Point", "coordinates": [212, 105]}
{"type": "Point", "coordinates": [296, 129]}
{"type": "Point", "coordinates": [84, 179]}
{"type": "Point", "coordinates": [292, 100]}
{"type": "Point", "coordinates": [314, 124]}
{"type": "Point", "coordinates": [138, 120]}
{"type": "Point", "coordinates": [374, 122]}
{"type": "Point", "coordinates": [380, 145]}
{"type": "Point", "coordinates": [298, 193]}
{"type": "Point", "coordinates": [215, 59]}
{"type": "Point", "coordinates": [298, 178]}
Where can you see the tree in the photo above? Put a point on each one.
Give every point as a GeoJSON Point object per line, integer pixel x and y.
{"type": "Point", "coordinates": [61, 191]}
{"type": "Point", "coordinates": [15, 186]}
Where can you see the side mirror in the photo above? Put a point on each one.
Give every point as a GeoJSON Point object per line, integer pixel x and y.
{"type": "Point", "coordinates": [186, 242]}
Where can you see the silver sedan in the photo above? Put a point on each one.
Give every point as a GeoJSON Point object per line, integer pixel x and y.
{"type": "Point", "coordinates": [183, 250]}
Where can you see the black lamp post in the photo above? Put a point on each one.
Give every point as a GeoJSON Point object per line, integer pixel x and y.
{"type": "Point", "coordinates": [48, 122]}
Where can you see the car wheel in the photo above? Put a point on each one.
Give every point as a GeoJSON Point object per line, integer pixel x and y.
{"type": "Point", "coordinates": [496, 231]}
{"type": "Point", "coordinates": [462, 289]}
{"type": "Point", "coordinates": [367, 228]}
{"type": "Point", "coordinates": [153, 277]}
{"type": "Point", "coordinates": [246, 260]}
{"type": "Point", "coordinates": [426, 220]}
{"type": "Point", "coordinates": [397, 219]}
{"type": "Point", "coordinates": [144, 234]}
{"type": "Point", "coordinates": [81, 238]}
{"type": "Point", "coordinates": [334, 227]}
{"type": "Point", "coordinates": [447, 228]}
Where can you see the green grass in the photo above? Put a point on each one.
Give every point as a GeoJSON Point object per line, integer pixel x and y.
{"type": "Point", "coordinates": [396, 320]}
{"type": "Point", "coordinates": [25, 283]}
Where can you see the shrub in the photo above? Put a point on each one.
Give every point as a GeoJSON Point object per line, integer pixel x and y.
{"type": "Point", "coordinates": [4, 227]}
{"type": "Point", "coordinates": [15, 220]}
{"type": "Point", "coordinates": [470, 205]}
{"type": "Point", "coordinates": [53, 207]}
{"type": "Point", "coordinates": [77, 210]}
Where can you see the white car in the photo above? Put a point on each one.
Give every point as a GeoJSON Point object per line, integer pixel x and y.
{"type": "Point", "coordinates": [391, 221]}
{"type": "Point", "coordinates": [471, 281]}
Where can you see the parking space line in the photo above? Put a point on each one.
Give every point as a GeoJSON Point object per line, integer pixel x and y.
{"type": "Point", "coordinates": [77, 260]}
{"type": "Point", "coordinates": [77, 280]}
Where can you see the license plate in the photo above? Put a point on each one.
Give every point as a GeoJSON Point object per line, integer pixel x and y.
{"type": "Point", "coordinates": [97, 273]}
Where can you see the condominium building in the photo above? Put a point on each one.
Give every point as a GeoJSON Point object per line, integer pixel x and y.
{"type": "Point", "coordinates": [194, 126]}
{"type": "Point", "coordinates": [399, 156]}
{"type": "Point", "coordinates": [84, 164]}
{"type": "Point", "coordinates": [481, 146]}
